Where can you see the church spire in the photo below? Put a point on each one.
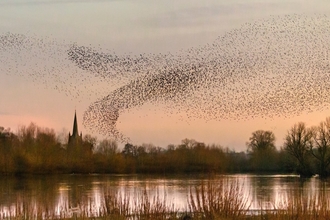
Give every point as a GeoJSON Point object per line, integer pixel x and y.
{"type": "Point", "coordinates": [75, 126]}
{"type": "Point", "coordinates": [75, 138]}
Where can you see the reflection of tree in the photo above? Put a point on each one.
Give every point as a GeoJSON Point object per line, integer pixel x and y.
{"type": "Point", "coordinates": [262, 191]}
{"type": "Point", "coordinates": [29, 195]}
{"type": "Point", "coordinates": [269, 192]}
{"type": "Point", "coordinates": [296, 193]}
{"type": "Point", "coordinates": [59, 195]}
{"type": "Point", "coordinates": [323, 192]}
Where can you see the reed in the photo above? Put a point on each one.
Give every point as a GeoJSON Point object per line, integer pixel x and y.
{"type": "Point", "coordinates": [116, 205]}
{"type": "Point", "coordinates": [144, 207]}
{"type": "Point", "coordinates": [218, 200]}
{"type": "Point", "coordinates": [212, 200]}
{"type": "Point", "coordinates": [299, 206]}
{"type": "Point", "coordinates": [155, 207]}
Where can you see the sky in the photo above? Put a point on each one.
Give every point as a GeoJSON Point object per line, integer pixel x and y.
{"type": "Point", "coordinates": [127, 27]}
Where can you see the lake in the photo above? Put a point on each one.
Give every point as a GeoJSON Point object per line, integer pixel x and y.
{"type": "Point", "coordinates": [63, 194]}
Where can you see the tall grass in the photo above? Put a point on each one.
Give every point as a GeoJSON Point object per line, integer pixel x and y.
{"type": "Point", "coordinates": [217, 200]}
{"type": "Point", "coordinates": [116, 205]}
{"type": "Point", "coordinates": [155, 207]}
{"type": "Point", "coordinates": [298, 206]}
{"type": "Point", "coordinates": [212, 200]}
{"type": "Point", "coordinates": [144, 207]}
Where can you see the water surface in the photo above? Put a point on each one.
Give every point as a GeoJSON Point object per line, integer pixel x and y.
{"type": "Point", "coordinates": [65, 194]}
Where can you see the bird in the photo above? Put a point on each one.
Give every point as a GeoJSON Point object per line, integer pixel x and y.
{"type": "Point", "coordinates": [269, 68]}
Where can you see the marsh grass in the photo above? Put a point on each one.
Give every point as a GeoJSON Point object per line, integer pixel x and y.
{"type": "Point", "coordinates": [218, 200]}
{"type": "Point", "coordinates": [298, 206]}
{"type": "Point", "coordinates": [211, 200]}
{"type": "Point", "coordinates": [116, 205]}
{"type": "Point", "coordinates": [120, 206]}
{"type": "Point", "coordinates": [154, 207]}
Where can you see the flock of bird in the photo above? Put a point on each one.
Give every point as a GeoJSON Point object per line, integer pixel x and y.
{"type": "Point", "coordinates": [271, 68]}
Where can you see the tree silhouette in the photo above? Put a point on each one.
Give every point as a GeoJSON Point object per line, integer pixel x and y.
{"type": "Point", "coordinates": [261, 147]}
{"type": "Point", "coordinates": [320, 147]}
{"type": "Point", "coordinates": [298, 144]}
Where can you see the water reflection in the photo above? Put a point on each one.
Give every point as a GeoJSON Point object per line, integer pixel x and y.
{"type": "Point", "coordinates": [69, 195]}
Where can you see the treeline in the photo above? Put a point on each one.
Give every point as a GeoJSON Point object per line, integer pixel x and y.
{"type": "Point", "coordinates": [39, 150]}
{"type": "Point", "coordinates": [33, 149]}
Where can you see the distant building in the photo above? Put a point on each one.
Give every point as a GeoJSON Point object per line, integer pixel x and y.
{"type": "Point", "coordinates": [75, 139]}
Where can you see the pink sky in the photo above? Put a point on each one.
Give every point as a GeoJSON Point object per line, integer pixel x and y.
{"type": "Point", "coordinates": [131, 27]}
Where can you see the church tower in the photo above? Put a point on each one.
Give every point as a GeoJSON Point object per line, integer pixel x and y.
{"type": "Point", "coordinates": [75, 138]}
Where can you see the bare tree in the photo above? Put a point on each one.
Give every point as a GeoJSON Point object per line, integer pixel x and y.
{"type": "Point", "coordinates": [320, 147]}
{"type": "Point", "coordinates": [298, 144]}
{"type": "Point", "coordinates": [107, 147]}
